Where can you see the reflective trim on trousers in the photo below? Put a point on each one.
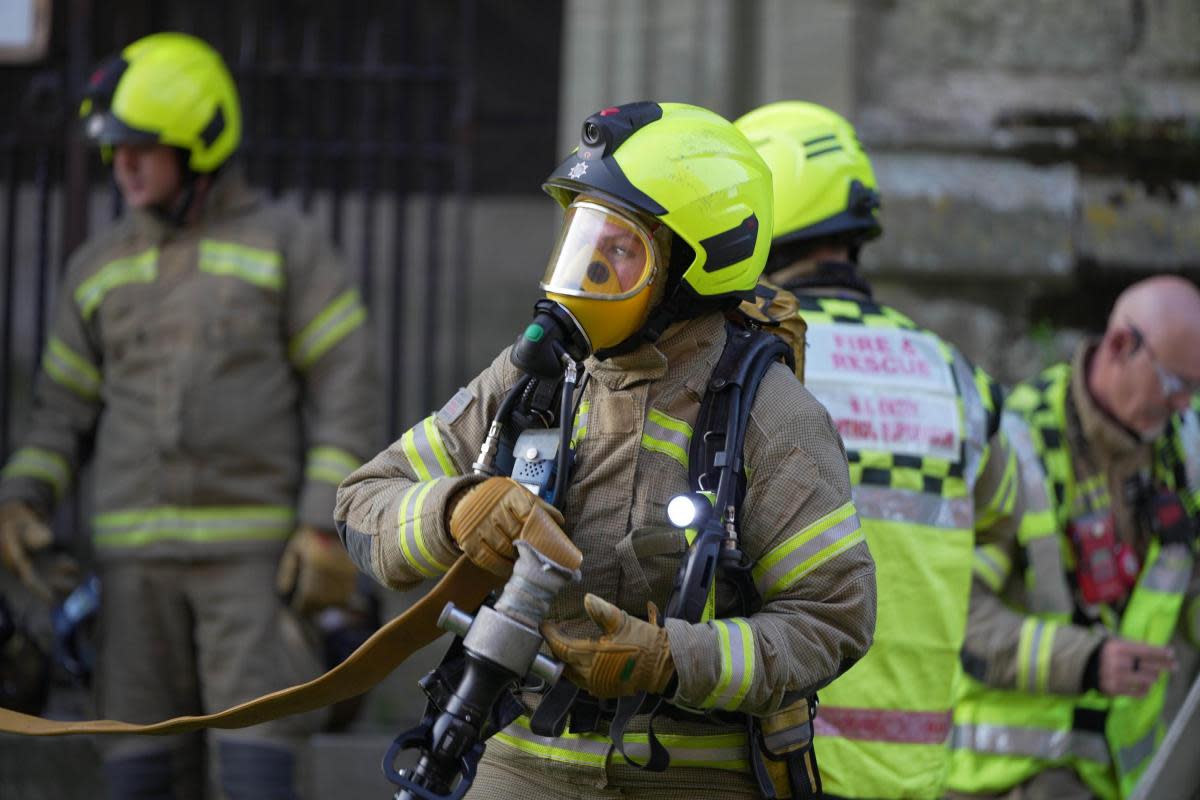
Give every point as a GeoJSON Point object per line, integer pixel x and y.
{"type": "Point", "coordinates": [1013, 740]}
{"type": "Point", "coordinates": [883, 725]}
{"type": "Point", "coordinates": [893, 505]}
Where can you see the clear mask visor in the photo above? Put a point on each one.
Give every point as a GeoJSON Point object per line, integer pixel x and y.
{"type": "Point", "coordinates": [601, 254]}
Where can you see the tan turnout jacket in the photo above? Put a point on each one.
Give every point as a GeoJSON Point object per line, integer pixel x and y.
{"type": "Point", "coordinates": [222, 371]}
{"type": "Point", "coordinates": [633, 428]}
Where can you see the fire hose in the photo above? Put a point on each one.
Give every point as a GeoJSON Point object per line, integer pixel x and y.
{"type": "Point", "coordinates": [465, 586]}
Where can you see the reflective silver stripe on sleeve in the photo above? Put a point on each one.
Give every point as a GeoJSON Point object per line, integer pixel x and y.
{"type": "Point", "coordinates": [1031, 472]}
{"type": "Point", "coordinates": [1189, 434]}
{"type": "Point", "coordinates": [736, 649]}
{"type": "Point", "coordinates": [412, 538]}
{"type": "Point", "coordinates": [769, 579]}
{"type": "Point", "coordinates": [1033, 742]}
{"type": "Point", "coordinates": [40, 464]}
{"type": "Point", "coordinates": [996, 572]}
{"type": "Point", "coordinates": [976, 417]}
{"type": "Point", "coordinates": [880, 502]}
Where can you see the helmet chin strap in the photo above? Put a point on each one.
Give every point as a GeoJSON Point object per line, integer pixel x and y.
{"type": "Point", "coordinates": [176, 211]}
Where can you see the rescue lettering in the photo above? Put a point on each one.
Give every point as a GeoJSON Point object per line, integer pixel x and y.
{"type": "Point", "coordinates": [873, 354]}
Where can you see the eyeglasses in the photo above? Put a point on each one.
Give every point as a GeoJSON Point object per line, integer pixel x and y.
{"type": "Point", "coordinates": [1172, 384]}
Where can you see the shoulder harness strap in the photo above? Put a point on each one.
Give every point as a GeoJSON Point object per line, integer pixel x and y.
{"type": "Point", "coordinates": [715, 464]}
{"type": "Point", "coordinates": [748, 354]}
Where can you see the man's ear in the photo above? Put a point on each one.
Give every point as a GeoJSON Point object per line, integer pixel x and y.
{"type": "Point", "coordinates": [1123, 343]}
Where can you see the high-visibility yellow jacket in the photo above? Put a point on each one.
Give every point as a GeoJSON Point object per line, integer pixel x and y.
{"type": "Point", "coordinates": [798, 525]}
{"type": "Point", "coordinates": [1029, 638]}
{"type": "Point", "coordinates": [930, 472]}
{"type": "Point", "coordinates": [222, 370]}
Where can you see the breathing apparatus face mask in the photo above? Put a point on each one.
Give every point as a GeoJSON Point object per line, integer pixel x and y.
{"type": "Point", "coordinates": [602, 270]}
{"type": "Point", "coordinates": [604, 277]}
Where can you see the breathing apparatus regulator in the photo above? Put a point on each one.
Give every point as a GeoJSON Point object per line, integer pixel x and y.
{"type": "Point", "coordinates": [599, 287]}
{"type": "Point", "coordinates": [473, 692]}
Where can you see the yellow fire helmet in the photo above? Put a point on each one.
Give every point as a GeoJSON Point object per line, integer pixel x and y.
{"type": "Point", "coordinates": [668, 210]}
{"type": "Point", "coordinates": [824, 183]}
{"type": "Point", "coordinates": [166, 88]}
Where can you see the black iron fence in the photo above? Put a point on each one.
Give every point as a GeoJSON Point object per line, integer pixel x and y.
{"type": "Point", "coordinates": [360, 111]}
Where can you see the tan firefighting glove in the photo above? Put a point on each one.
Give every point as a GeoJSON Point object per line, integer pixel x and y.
{"type": "Point", "coordinates": [315, 571]}
{"type": "Point", "coordinates": [632, 656]}
{"type": "Point", "coordinates": [22, 534]}
{"type": "Point", "coordinates": [486, 519]}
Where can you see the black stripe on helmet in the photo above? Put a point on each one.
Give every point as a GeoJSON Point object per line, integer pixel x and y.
{"type": "Point", "coordinates": [106, 128]}
{"type": "Point", "coordinates": [214, 127]}
{"type": "Point", "coordinates": [731, 246]}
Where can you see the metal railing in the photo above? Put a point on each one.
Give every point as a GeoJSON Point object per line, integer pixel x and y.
{"type": "Point", "coordinates": [360, 112]}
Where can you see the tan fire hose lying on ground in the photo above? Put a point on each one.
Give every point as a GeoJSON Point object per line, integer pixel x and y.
{"type": "Point", "coordinates": [465, 585]}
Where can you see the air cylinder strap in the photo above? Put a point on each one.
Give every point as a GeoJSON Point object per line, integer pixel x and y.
{"type": "Point", "coordinates": [465, 585]}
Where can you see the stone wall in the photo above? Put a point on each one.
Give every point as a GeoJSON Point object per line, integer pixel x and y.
{"type": "Point", "coordinates": [1034, 156]}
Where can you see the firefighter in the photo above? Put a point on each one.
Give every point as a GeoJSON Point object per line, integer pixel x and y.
{"type": "Point", "coordinates": [931, 469]}
{"type": "Point", "coordinates": [667, 225]}
{"type": "Point", "coordinates": [209, 353]}
{"type": "Point", "coordinates": [1072, 620]}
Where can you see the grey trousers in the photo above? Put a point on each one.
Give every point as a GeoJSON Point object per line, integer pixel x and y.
{"type": "Point", "coordinates": [180, 638]}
